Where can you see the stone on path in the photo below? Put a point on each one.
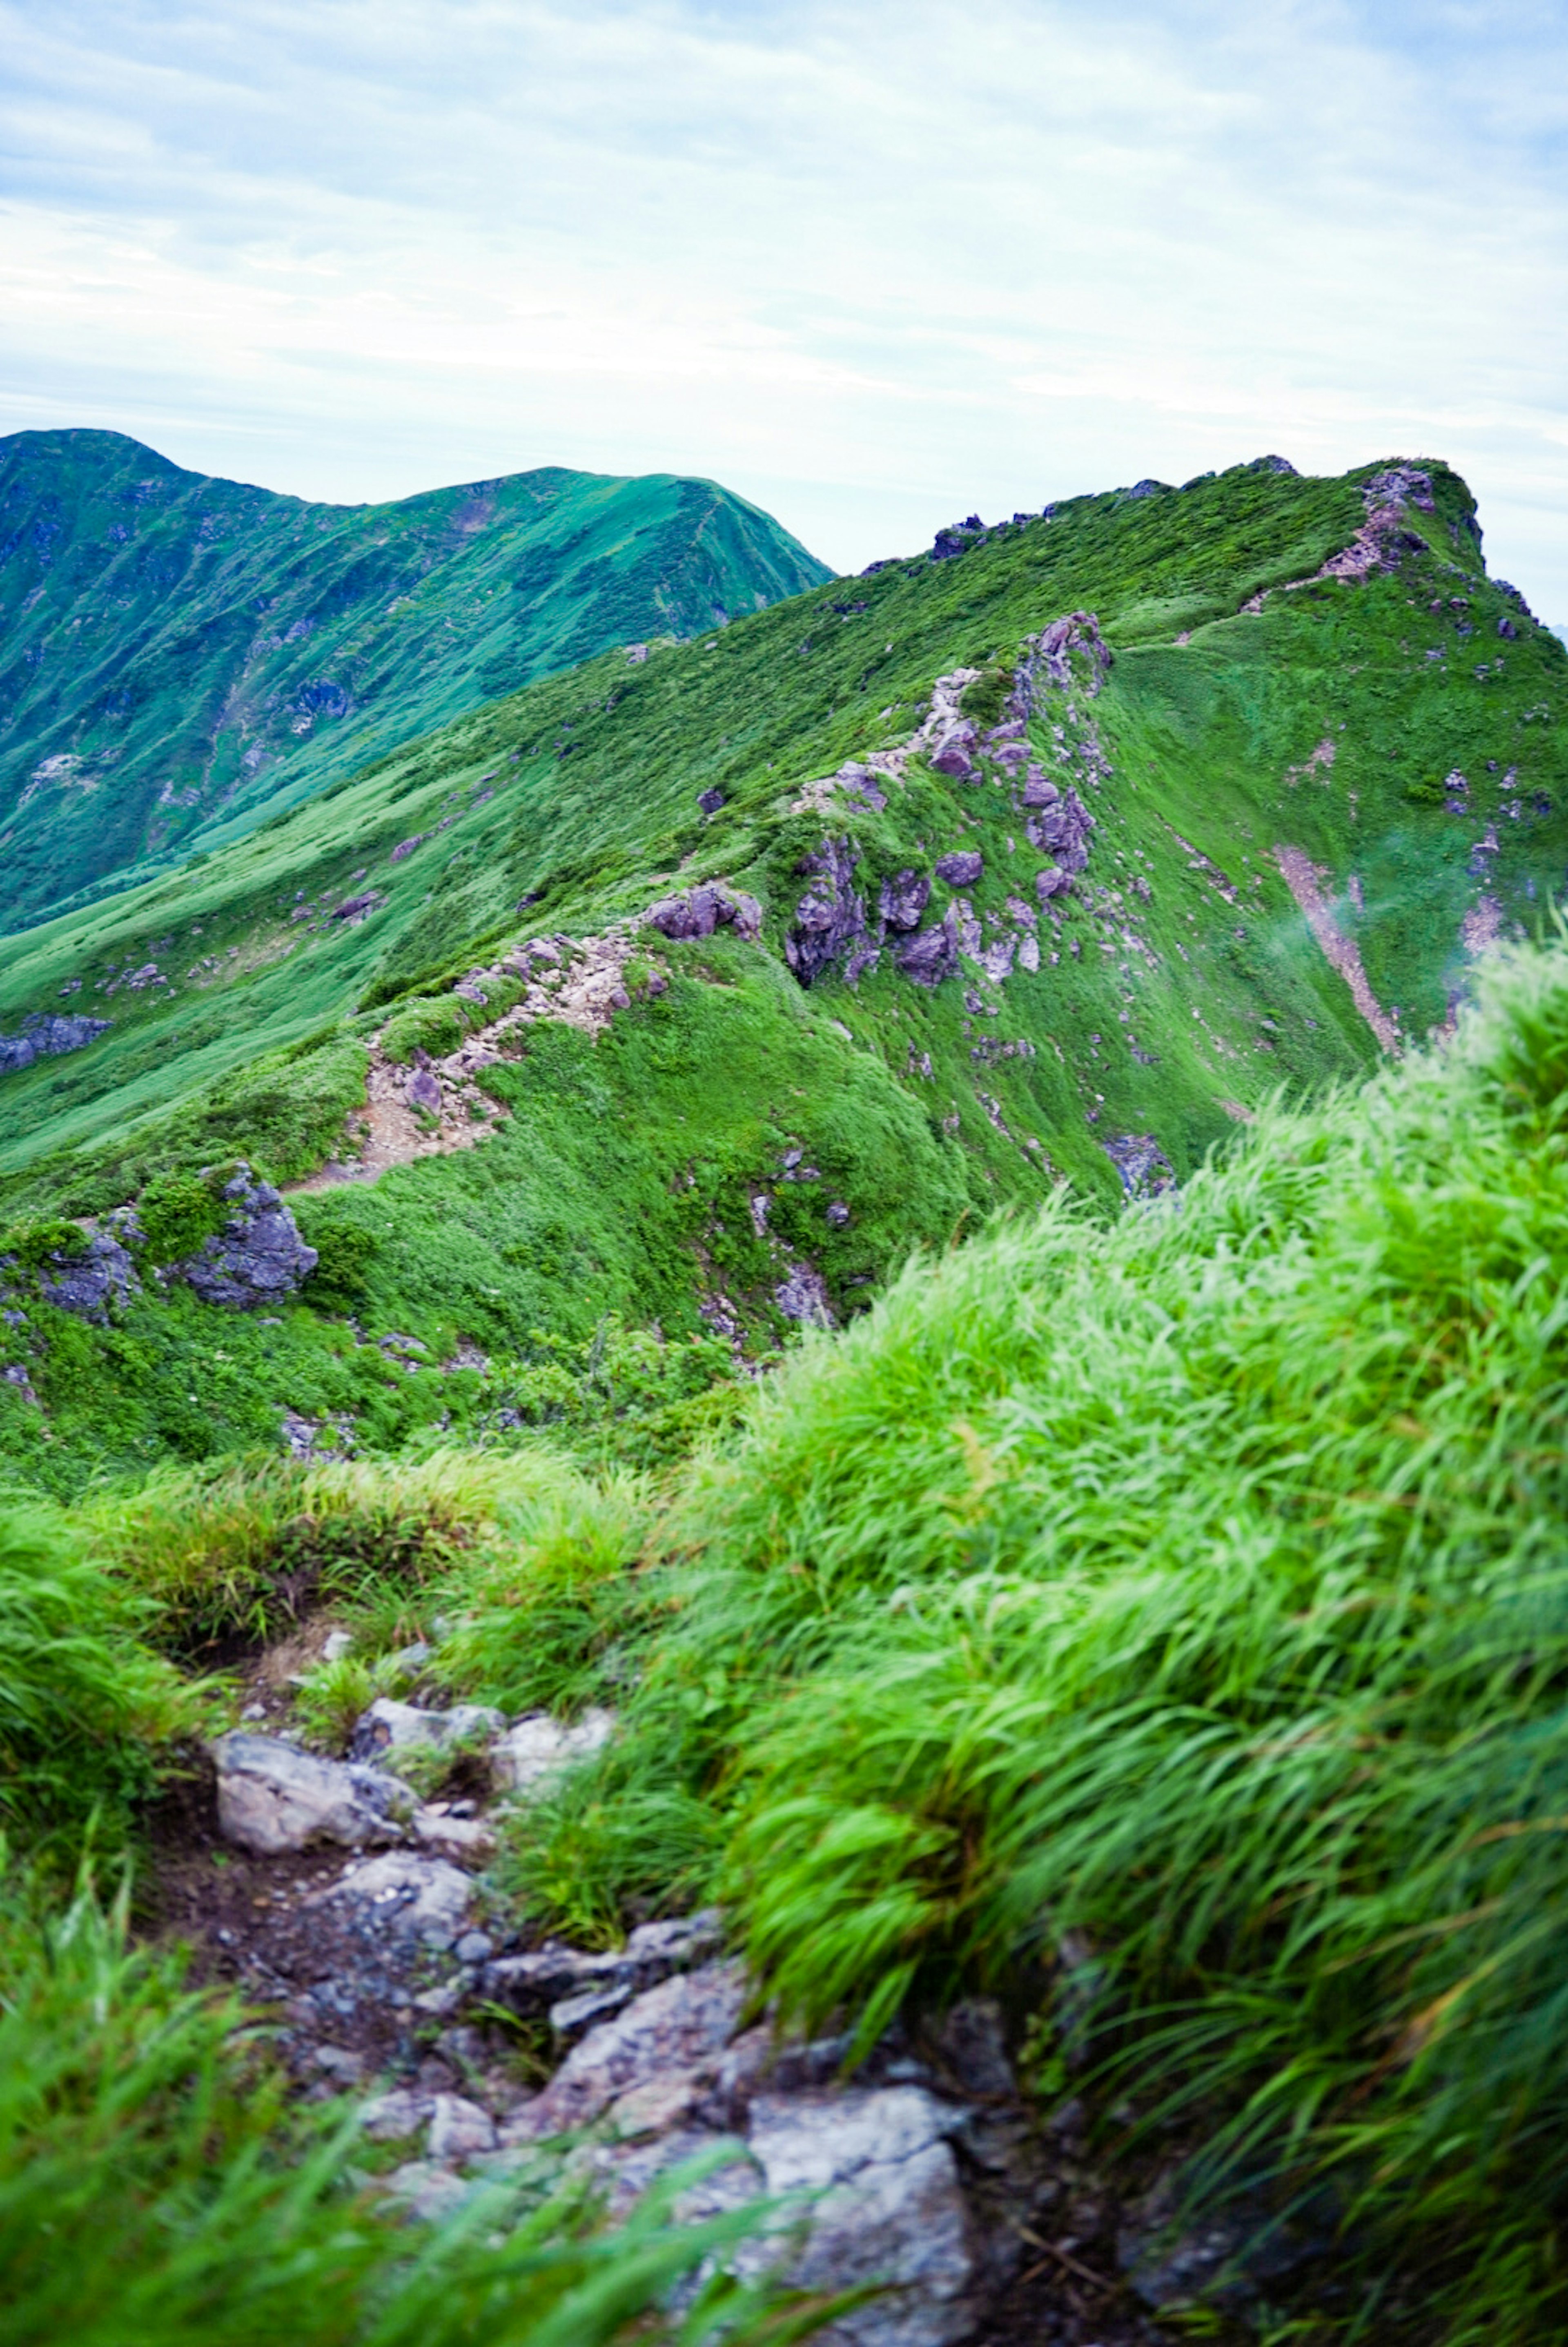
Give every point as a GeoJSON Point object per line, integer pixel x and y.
{"type": "Point", "coordinates": [273, 1798]}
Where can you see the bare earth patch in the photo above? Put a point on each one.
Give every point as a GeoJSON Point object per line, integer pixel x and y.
{"type": "Point", "coordinates": [1304, 878]}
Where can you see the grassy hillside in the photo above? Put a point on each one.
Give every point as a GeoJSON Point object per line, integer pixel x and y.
{"type": "Point", "coordinates": [176, 650]}
{"type": "Point", "coordinates": [1155, 1623]}
{"type": "Point", "coordinates": [1309, 788]}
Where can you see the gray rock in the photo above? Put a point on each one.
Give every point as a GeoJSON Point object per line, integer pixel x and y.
{"type": "Point", "coordinates": [1064, 832]}
{"type": "Point", "coordinates": [802, 1294]}
{"type": "Point", "coordinates": [537, 1748]}
{"type": "Point", "coordinates": [931, 954]}
{"type": "Point", "coordinates": [709, 907]}
{"type": "Point", "coordinates": [830, 918]}
{"type": "Point", "coordinates": [458, 2129]}
{"type": "Point", "coordinates": [388, 1728]}
{"type": "Point", "coordinates": [426, 2191]}
{"type": "Point", "coordinates": [272, 1797]}
{"type": "Point", "coordinates": [91, 1284]}
{"type": "Point", "coordinates": [392, 2117]}
{"type": "Point", "coordinates": [687, 2020]}
{"type": "Point", "coordinates": [1051, 882]}
{"type": "Point", "coordinates": [258, 1257]}
{"type": "Point", "coordinates": [414, 1896]}
{"type": "Point", "coordinates": [422, 1090]}
{"type": "Point", "coordinates": [1146, 1170]}
{"type": "Point", "coordinates": [709, 802]}
{"type": "Point", "coordinates": [553, 1975]}
{"type": "Point", "coordinates": [45, 1038]}
{"type": "Point", "coordinates": [891, 2210]}
{"type": "Point", "coordinates": [1507, 630]}
{"type": "Point", "coordinates": [903, 899]}
{"type": "Point", "coordinates": [576, 2015]}
{"type": "Point", "coordinates": [962, 867]}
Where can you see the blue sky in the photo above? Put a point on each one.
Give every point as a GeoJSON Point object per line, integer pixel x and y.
{"type": "Point", "coordinates": [874, 266]}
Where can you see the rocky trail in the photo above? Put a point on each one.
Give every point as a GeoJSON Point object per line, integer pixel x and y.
{"type": "Point", "coordinates": [354, 1908]}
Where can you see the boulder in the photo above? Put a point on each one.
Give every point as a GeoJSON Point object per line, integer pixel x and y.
{"type": "Point", "coordinates": [1063, 832]}
{"type": "Point", "coordinates": [422, 1090]}
{"type": "Point", "coordinates": [258, 1257]}
{"type": "Point", "coordinates": [687, 2020]}
{"type": "Point", "coordinates": [890, 2208]}
{"type": "Point", "coordinates": [458, 2129]}
{"type": "Point", "coordinates": [390, 1727]}
{"type": "Point", "coordinates": [552, 1974]}
{"type": "Point", "coordinates": [537, 1748]}
{"type": "Point", "coordinates": [89, 1283]}
{"type": "Point", "coordinates": [392, 2117]}
{"type": "Point", "coordinates": [961, 869]}
{"type": "Point", "coordinates": [903, 899]}
{"type": "Point", "coordinates": [830, 920]}
{"type": "Point", "coordinates": [411, 1896]}
{"type": "Point", "coordinates": [702, 910]}
{"type": "Point", "coordinates": [931, 954]}
{"type": "Point", "coordinates": [272, 1797]}
{"type": "Point", "coordinates": [45, 1038]}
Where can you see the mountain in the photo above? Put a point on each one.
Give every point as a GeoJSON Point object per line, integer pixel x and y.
{"type": "Point", "coordinates": [685, 991]}
{"type": "Point", "coordinates": [178, 651]}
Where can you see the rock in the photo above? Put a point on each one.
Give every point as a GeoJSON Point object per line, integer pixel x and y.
{"type": "Point", "coordinates": [891, 2208]}
{"type": "Point", "coordinates": [931, 954]}
{"type": "Point", "coordinates": [669, 2101]}
{"type": "Point", "coordinates": [258, 1257]}
{"type": "Point", "coordinates": [961, 869]}
{"type": "Point", "coordinates": [428, 2192]}
{"type": "Point", "coordinates": [903, 899]}
{"type": "Point", "coordinates": [354, 909]}
{"type": "Point", "coordinates": [1506, 628]}
{"type": "Point", "coordinates": [576, 2015]}
{"type": "Point", "coordinates": [422, 1090]}
{"type": "Point", "coordinates": [89, 1284]}
{"type": "Point", "coordinates": [709, 802]}
{"type": "Point", "coordinates": [705, 909]}
{"type": "Point", "coordinates": [802, 1294]}
{"type": "Point", "coordinates": [953, 752]}
{"type": "Point", "coordinates": [389, 1728]}
{"type": "Point", "coordinates": [537, 1748]}
{"type": "Point", "coordinates": [687, 2020]}
{"type": "Point", "coordinates": [550, 1975]}
{"type": "Point", "coordinates": [414, 1897]}
{"type": "Point", "coordinates": [1146, 1170]}
{"type": "Point", "coordinates": [271, 1797]}
{"type": "Point", "coordinates": [338, 2061]}
{"type": "Point", "coordinates": [1051, 882]}
{"type": "Point", "coordinates": [838, 1213]}
{"type": "Point", "coordinates": [45, 1038]}
{"type": "Point", "coordinates": [1064, 832]}
{"type": "Point", "coordinates": [830, 918]}
{"type": "Point", "coordinates": [468, 1838]}
{"type": "Point", "coordinates": [336, 1644]}
{"type": "Point", "coordinates": [458, 2129]}
{"type": "Point", "coordinates": [388, 2118]}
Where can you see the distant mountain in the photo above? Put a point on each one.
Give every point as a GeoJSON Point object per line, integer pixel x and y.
{"type": "Point", "coordinates": [1051, 855]}
{"type": "Point", "coordinates": [177, 649]}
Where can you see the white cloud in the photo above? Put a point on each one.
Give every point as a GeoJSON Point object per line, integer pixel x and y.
{"type": "Point", "coordinates": [872, 267]}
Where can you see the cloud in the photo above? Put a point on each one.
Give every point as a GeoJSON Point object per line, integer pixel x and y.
{"type": "Point", "coordinates": [871, 267]}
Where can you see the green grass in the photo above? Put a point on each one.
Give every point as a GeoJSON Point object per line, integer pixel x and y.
{"type": "Point", "coordinates": [1196, 1587]}
{"type": "Point", "coordinates": [623, 1182]}
{"type": "Point", "coordinates": [216, 651]}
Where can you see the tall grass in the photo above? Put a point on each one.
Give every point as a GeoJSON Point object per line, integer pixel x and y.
{"type": "Point", "coordinates": [1197, 1585]}
{"type": "Point", "coordinates": [85, 1708]}
{"type": "Point", "coordinates": [154, 2189]}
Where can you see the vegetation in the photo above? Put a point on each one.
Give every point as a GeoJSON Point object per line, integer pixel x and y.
{"type": "Point", "coordinates": [1159, 1616]}
{"type": "Point", "coordinates": [187, 716]}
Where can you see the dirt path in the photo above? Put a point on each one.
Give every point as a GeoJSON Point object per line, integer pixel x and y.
{"type": "Point", "coordinates": [1304, 879]}
{"type": "Point", "coordinates": [436, 1106]}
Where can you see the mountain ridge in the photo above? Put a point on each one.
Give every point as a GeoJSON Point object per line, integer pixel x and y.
{"type": "Point", "coordinates": [180, 649]}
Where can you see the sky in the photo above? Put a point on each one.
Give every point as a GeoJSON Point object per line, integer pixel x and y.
{"type": "Point", "coordinates": [874, 266]}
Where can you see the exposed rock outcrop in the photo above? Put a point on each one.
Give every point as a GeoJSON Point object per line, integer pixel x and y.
{"type": "Point", "coordinates": [45, 1038]}
{"type": "Point", "coordinates": [258, 1257]}
{"type": "Point", "coordinates": [829, 923]}
{"type": "Point", "coordinates": [91, 1284]}
{"type": "Point", "coordinates": [272, 1797]}
{"type": "Point", "coordinates": [709, 907]}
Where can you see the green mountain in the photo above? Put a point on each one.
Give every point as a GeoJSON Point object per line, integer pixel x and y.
{"type": "Point", "coordinates": [176, 650]}
{"type": "Point", "coordinates": [1049, 857]}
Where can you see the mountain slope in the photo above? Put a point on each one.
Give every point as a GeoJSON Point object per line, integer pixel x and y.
{"type": "Point", "coordinates": [1049, 856]}
{"type": "Point", "coordinates": [175, 649]}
